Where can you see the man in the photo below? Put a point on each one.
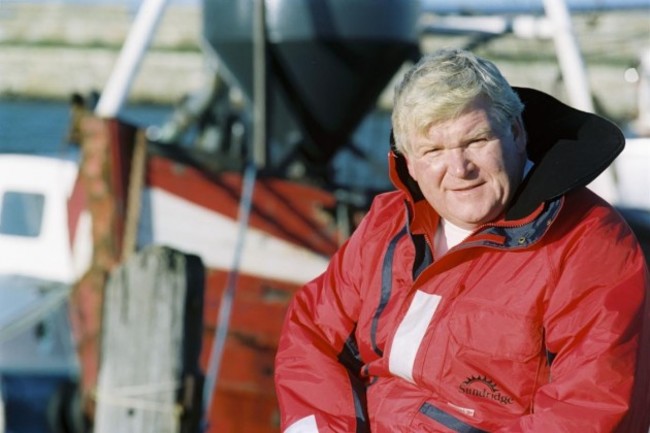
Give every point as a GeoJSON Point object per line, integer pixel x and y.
{"type": "Point", "coordinates": [492, 292]}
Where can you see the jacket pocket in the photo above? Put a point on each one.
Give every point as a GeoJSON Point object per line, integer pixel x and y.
{"type": "Point", "coordinates": [429, 414]}
{"type": "Point", "coordinates": [494, 331]}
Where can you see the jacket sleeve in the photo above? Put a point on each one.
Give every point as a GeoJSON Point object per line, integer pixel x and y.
{"type": "Point", "coordinates": [597, 332]}
{"type": "Point", "coordinates": [316, 366]}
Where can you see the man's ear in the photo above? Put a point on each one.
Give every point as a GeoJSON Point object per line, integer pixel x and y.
{"type": "Point", "coordinates": [393, 148]}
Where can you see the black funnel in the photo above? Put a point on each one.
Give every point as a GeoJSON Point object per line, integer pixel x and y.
{"type": "Point", "coordinates": [327, 60]}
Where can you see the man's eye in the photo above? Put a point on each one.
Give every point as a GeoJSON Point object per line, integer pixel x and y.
{"type": "Point", "coordinates": [432, 151]}
{"type": "Point", "coordinates": [478, 142]}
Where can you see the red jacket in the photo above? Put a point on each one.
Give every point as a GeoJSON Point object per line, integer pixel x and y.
{"type": "Point", "coordinates": [539, 322]}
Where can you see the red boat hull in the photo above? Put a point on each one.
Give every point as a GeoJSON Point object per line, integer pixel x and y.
{"type": "Point", "coordinates": [292, 233]}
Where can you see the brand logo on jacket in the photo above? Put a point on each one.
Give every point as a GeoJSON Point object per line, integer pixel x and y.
{"type": "Point", "coordinates": [484, 387]}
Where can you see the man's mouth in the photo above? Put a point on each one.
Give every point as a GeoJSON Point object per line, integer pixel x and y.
{"type": "Point", "coordinates": [466, 187]}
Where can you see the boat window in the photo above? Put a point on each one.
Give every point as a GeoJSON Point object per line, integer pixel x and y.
{"type": "Point", "coordinates": [21, 213]}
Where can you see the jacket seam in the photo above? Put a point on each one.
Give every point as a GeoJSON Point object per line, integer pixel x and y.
{"type": "Point", "coordinates": [386, 288]}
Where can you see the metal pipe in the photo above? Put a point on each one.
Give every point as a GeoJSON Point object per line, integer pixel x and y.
{"type": "Point", "coordinates": [119, 83]}
{"type": "Point", "coordinates": [259, 84]}
{"type": "Point", "coordinates": [245, 206]}
{"type": "Point", "coordinates": [576, 82]}
{"type": "Point", "coordinates": [569, 56]}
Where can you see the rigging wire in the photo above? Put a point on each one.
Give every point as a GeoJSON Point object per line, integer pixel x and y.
{"type": "Point", "coordinates": [225, 306]}
{"type": "Point", "coordinates": [245, 205]}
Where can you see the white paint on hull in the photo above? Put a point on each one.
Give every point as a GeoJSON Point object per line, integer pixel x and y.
{"type": "Point", "coordinates": [172, 221]}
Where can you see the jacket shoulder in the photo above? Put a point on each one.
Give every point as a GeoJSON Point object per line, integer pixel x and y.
{"type": "Point", "coordinates": [591, 228]}
{"type": "Point", "coordinates": [387, 214]}
{"type": "Point", "coordinates": [387, 206]}
{"type": "Point", "coordinates": [586, 207]}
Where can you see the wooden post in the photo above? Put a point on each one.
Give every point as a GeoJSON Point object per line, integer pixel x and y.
{"type": "Point", "coordinates": [149, 377]}
{"type": "Point", "coordinates": [102, 187]}
{"type": "Point", "coordinates": [134, 194]}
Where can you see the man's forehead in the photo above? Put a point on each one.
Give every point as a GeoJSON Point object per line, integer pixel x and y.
{"type": "Point", "coordinates": [476, 121]}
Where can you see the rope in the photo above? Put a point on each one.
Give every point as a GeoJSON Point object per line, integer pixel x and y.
{"type": "Point", "coordinates": [131, 397]}
{"type": "Point", "coordinates": [225, 307]}
{"type": "Point", "coordinates": [144, 389]}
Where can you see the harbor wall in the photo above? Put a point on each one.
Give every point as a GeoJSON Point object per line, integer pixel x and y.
{"type": "Point", "coordinates": [53, 49]}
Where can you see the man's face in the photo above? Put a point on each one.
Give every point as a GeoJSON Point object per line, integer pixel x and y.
{"type": "Point", "coordinates": [467, 168]}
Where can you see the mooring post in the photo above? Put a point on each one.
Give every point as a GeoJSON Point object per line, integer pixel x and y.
{"type": "Point", "coordinates": [151, 342]}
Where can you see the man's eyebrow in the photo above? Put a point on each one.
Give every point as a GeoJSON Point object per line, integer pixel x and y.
{"type": "Point", "coordinates": [481, 132]}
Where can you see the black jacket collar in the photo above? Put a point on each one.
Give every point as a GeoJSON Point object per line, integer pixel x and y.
{"type": "Point", "coordinates": [569, 147]}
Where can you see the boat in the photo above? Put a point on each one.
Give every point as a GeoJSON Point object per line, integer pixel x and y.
{"type": "Point", "coordinates": [43, 252]}
{"type": "Point", "coordinates": [248, 177]}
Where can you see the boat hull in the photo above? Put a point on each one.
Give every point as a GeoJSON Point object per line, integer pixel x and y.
{"type": "Point", "coordinates": [286, 241]}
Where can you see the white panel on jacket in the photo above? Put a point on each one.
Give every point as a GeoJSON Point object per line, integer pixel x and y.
{"type": "Point", "coordinates": [410, 333]}
{"type": "Point", "coordinates": [304, 425]}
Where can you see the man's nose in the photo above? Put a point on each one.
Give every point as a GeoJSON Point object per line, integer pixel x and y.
{"type": "Point", "coordinates": [458, 163]}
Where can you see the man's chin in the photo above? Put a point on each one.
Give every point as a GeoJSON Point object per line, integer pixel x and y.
{"type": "Point", "coordinates": [470, 220]}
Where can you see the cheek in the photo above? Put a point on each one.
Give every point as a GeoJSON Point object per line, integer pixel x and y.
{"type": "Point", "coordinates": [493, 162]}
{"type": "Point", "coordinates": [498, 167]}
{"type": "Point", "coordinates": [513, 167]}
{"type": "Point", "coordinates": [427, 172]}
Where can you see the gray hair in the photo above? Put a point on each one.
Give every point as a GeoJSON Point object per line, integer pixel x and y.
{"type": "Point", "coordinates": [441, 85]}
